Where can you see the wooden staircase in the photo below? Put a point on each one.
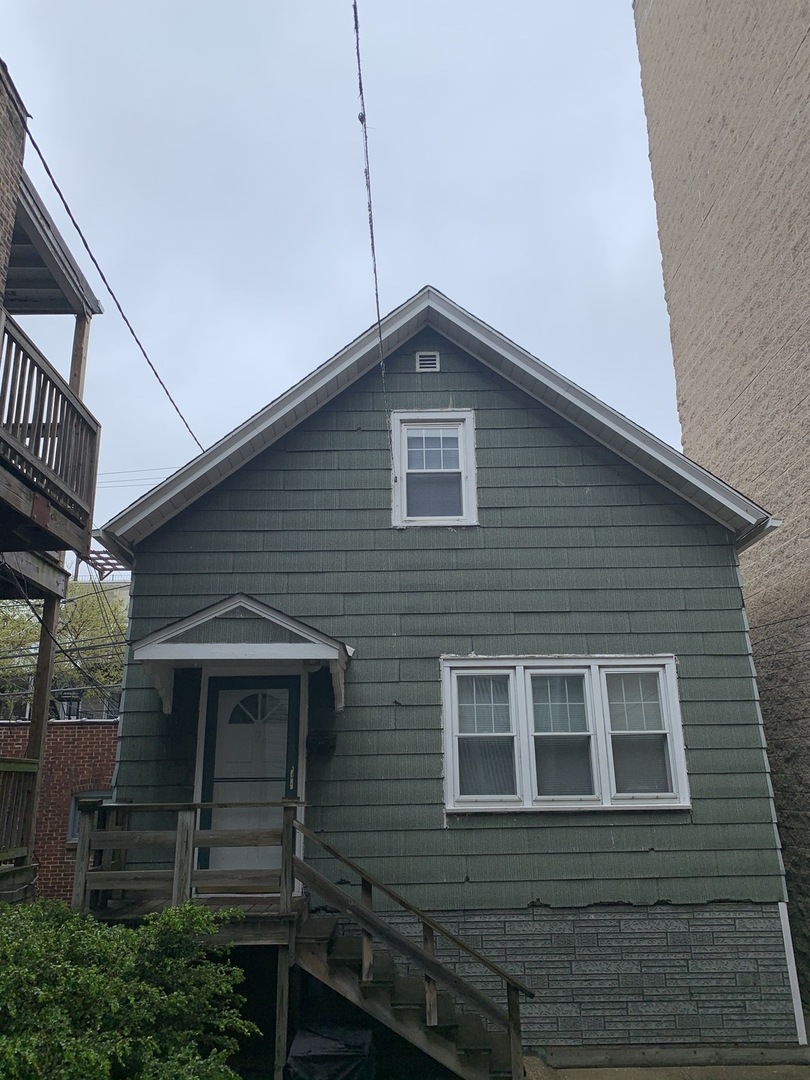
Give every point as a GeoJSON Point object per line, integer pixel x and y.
{"type": "Point", "coordinates": [413, 1006]}
{"type": "Point", "coordinates": [459, 1040]}
{"type": "Point", "coordinates": [359, 966]}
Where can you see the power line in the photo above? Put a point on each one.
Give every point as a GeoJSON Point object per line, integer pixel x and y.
{"type": "Point", "coordinates": [20, 586]}
{"type": "Point", "coordinates": [103, 277]}
{"type": "Point", "coordinates": [788, 618]}
{"type": "Point", "coordinates": [362, 117]}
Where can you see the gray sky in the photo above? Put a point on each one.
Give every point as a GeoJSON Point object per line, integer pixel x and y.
{"type": "Point", "coordinates": [213, 156]}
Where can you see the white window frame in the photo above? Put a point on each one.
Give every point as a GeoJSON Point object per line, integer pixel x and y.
{"type": "Point", "coordinates": [464, 421]}
{"type": "Point", "coordinates": [594, 669]}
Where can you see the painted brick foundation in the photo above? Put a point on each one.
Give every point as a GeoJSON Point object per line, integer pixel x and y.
{"type": "Point", "coordinates": [79, 756]}
{"type": "Point", "coordinates": [634, 976]}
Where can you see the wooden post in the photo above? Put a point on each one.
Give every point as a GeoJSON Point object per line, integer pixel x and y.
{"type": "Point", "coordinates": [78, 357]}
{"type": "Point", "coordinates": [282, 1011]}
{"type": "Point", "coordinates": [183, 857]}
{"type": "Point", "coordinates": [515, 1037]}
{"type": "Point", "coordinates": [367, 965]}
{"type": "Point", "coordinates": [87, 814]}
{"type": "Point", "coordinates": [40, 706]}
{"type": "Point", "coordinates": [431, 995]}
{"type": "Point", "coordinates": [287, 852]}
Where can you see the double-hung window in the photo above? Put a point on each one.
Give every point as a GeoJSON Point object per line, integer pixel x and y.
{"type": "Point", "coordinates": [433, 468]}
{"type": "Point", "coordinates": [563, 733]}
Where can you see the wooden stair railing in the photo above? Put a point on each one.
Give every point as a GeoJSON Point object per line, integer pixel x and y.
{"type": "Point", "coordinates": [374, 925]}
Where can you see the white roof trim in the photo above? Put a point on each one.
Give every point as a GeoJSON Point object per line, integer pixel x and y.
{"type": "Point", "coordinates": [160, 654]}
{"type": "Point", "coordinates": [696, 485]}
{"type": "Point", "coordinates": [183, 654]}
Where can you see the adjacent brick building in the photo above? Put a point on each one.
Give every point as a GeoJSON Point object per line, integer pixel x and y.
{"type": "Point", "coordinates": [79, 759]}
{"type": "Point", "coordinates": [726, 90]}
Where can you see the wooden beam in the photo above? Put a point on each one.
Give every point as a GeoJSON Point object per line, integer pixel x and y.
{"type": "Point", "coordinates": [183, 857]}
{"type": "Point", "coordinates": [78, 356]}
{"type": "Point", "coordinates": [38, 570]}
{"type": "Point", "coordinates": [41, 703]}
{"type": "Point", "coordinates": [282, 1011]}
{"type": "Point", "coordinates": [61, 529]}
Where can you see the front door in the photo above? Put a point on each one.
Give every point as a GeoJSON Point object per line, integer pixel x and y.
{"type": "Point", "coordinates": [250, 756]}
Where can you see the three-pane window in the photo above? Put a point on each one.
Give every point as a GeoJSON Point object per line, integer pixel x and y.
{"type": "Point", "coordinates": [434, 468]}
{"type": "Point", "coordinates": [563, 733]}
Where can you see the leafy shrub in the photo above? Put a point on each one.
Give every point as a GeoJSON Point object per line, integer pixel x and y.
{"type": "Point", "coordinates": [82, 1000]}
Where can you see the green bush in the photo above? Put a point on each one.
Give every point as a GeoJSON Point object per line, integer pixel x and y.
{"type": "Point", "coordinates": [82, 1000]}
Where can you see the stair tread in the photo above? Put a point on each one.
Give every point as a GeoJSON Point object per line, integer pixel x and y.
{"type": "Point", "coordinates": [317, 928]}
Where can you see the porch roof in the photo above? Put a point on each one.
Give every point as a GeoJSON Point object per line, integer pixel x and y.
{"type": "Point", "coordinates": [287, 639]}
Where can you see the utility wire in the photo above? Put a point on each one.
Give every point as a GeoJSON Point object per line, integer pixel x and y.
{"type": "Point", "coordinates": [103, 277]}
{"type": "Point", "coordinates": [24, 594]}
{"type": "Point", "coordinates": [362, 117]}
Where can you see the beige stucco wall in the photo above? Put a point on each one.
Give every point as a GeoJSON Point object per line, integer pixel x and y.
{"type": "Point", "coordinates": [726, 90]}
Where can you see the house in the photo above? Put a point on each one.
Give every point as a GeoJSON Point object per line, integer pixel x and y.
{"type": "Point", "coordinates": [482, 638]}
{"type": "Point", "coordinates": [726, 88]}
{"type": "Point", "coordinates": [48, 458]}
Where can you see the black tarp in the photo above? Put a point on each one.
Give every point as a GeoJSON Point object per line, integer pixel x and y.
{"type": "Point", "coordinates": [331, 1052]}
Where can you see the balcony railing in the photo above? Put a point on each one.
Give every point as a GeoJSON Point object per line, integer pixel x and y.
{"type": "Point", "coordinates": [17, 783]}
{"type": "Point", "coordinates": [47, 436]}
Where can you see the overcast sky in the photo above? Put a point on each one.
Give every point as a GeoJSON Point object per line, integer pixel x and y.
{"type": "Point", "coordinates": [213, 156]}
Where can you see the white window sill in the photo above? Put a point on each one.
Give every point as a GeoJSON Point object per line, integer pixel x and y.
{"type": "Point", "coordinates": [511, 808]}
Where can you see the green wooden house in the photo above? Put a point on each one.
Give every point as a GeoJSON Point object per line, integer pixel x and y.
{"type": "Point", "coordinates": [483, 637]}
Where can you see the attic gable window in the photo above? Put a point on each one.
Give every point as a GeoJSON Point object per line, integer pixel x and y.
{"type": "Point", "coordinates": [563, 733]}
{"type": "Point", "coordinates": [434, 468]}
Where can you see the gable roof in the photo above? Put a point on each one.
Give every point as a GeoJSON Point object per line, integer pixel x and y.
{"type": "Point", "coordinates": [745, 519]}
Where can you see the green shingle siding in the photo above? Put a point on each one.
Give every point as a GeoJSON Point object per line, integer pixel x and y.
{"type": "Point", "coordinates": [576, 552]}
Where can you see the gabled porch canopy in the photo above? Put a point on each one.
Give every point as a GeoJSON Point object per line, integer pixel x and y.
{"type": "Point", "coordinates": [238, 629]}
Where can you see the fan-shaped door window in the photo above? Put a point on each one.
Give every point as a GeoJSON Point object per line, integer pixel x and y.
{"type": "Point", "coordinates": [259, 708]}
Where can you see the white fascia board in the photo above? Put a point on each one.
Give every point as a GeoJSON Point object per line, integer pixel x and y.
{"type": "Point", "coordinates": [245, 442]}
{"type": "Point", "coordinates": [682, 469]}
{"type": "Point", "coordinates": [211, 653]}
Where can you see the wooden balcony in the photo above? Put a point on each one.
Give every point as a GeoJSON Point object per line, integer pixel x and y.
{"type": "Point", "coordinates": [49, 445]}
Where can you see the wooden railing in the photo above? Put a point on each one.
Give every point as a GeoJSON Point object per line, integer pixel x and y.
{"type": "Point", "coordinates": [105, 838]}
{"type": "Point", "coordinates": [17, 783]}
{"type": "Point", "coordinates": [46, 433]}
{"type": "Point", "coordinates": [374, 926]}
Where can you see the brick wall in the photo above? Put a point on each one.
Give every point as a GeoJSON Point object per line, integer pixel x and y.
{"type": "Point", "coordinates": [79, 756]}
{"type": "Point", "coordinates": [726, 91]}
{"type": "Point", "coordinates": [12, 141]}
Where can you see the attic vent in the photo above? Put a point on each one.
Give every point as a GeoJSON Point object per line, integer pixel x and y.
{"type": "Point", "coordinates": [427, 361]}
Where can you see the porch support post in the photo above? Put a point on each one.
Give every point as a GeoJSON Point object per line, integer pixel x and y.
{"type": "Point", "coordinates": [183, 857]}
{"type": "Point", "coordinates": [282, 1011]}
{"type": "Point", "coordinates": [78, 359]}
{"type": "Point", "coordinates": [40, 706]}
